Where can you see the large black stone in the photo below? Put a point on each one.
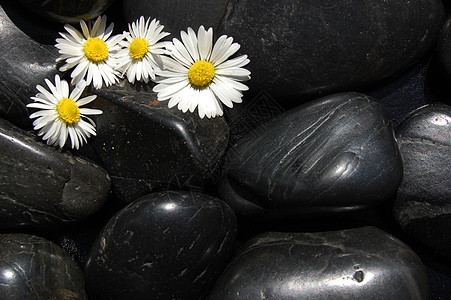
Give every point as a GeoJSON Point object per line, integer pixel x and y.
{"type": "Point", "coordinates": [444, 45]}
{"type": "Point", "coordinates": [363, 263]}
{"type": "Point", "coordinates": [34, 268]}
{"type": "Point", "coordinates": [177, 15]}
{"type": "Point", "coordinates": [25, 62]}
{"type": "Point", "coordinates": [309, 47]}
{"type": "Point", "coordinates": [170, 245]}
{"type": "Point", "coordinates": [41, 187]}
{"type": "Point", "coordinates": [146, 146]}
{"type": "Point", "coordinates": [68, 11]}
{"type": "Point", "coordinates": [334, 154]}
{"type": "Point", "coordinates": [423, 204]}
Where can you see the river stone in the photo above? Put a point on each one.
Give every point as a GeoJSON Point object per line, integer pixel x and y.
{"type": "Point", "coordinates": [444, 45]}
{"type": "Point", "coordinates": [25, 62]}
{"type": "Point", "coordinates": [170, 245]}
{"type": "Point", "coordinates": [68, 11]}
{"type": "Point", "coordinates": [334, 154]}
{"type": "Point", "coordinates": [40, 186]}
{"type": "Point", "coordinates": [423, 204]}
{"type": "Point", "coordinates": [34, 268]}
{"type": "Point", "coordinates": [361, 263]}
{"type": "Point", "coordinates": [177, 15]}
{"type": "Point", "coordinates": [310, 47]}
{"type": "Point", "coordinates": [146, 146]}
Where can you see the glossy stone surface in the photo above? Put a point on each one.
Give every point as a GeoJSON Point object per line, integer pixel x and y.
{"type": "Point", "coordinates": [40, 186]}
{"type": "Point", "coordinates": [423, 204]}
{"type": "Point", "coordinates": [177, 15]}
{"type": "Point", "coordinates": [25, 62]}
{"type": "Point", "coordinates": [34, 268]}
{"type": "Point", "coordinates": [68, 11]}
{"type": "Point", "coordinates": [363, 263]}
{"type": "Point", "coordinates": [170, 245]}
{"type": "Point", "coordinates": [146, 146]}
{"type": "Point", "coordinates": [308, 47]}
{"type": "Point", "coordinates": [444, 45]}
{"type": "Point", "coordinates": [334, 154]}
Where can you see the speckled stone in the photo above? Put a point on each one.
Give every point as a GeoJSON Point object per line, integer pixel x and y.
{"type": "Point", "coordinates": [170, 245]}
{"type": "Point", "coordinates": [40, 186]}
{"type": "Point", "coordinates": [146, 146]}
{"type": "Point", "coordinates": [307, 47]}
{"type": "Point", "coordinates": [361, 263]}
{"type": "Point", "coordinates": [334, 154]}
{"type": "Point", "coordinates": [423, 203]}
{"type": "Point", "coordinates": [25, 62]}
{"type": "Point", "coordinates": [34, 268]}
{"type": "Point", "coordinates": [68, 11]}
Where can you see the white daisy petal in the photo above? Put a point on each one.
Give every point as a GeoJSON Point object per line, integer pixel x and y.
{"type": "Point", "coordinates": [236, 73]}
{"type": "Point", "coordinates": [180, 53]}
{"type": "Point", "coordinates": [84, 29]}
{"type": "Point", "coordinates": [90, 111]}
{"type": "Point", "coordinates": [86, 100]}
{"type": "Point", "coordinates": [38, 105]}
{"type": "Point", "coordinates": [205, 42]}
{"type": "Point", "coordinates": [190, 41]}
{"type": "Point", "coordinates": [236, 62]}
{"type": "Point", "coordinates": [77, 36]}
{"type": "Point", "coordinates": [61, 115]}
{"type": "Point", "coordinates": [225, 53]}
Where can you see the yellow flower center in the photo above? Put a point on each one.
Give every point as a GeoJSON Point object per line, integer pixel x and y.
{"type": "Point", "coordinates": [138, 48]}
{"type": "Point", "coordinates": [201, 73]}
{"type": "Point", "coordinates": [68, 111]}
{"type": "Point", "coordinates": [96, 49]}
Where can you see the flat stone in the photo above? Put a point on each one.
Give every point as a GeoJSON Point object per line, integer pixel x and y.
{"type": "Point", "coordinates": [146, 146]}
{"type": "Point", "coordinates": [170, 245]}
{"type": "Point", "coordinates": [177, 15]}
{"type": "Point", "coordinates": [41, 186]}
{"type": "Point", "coordinates": [363, 263]}
{"type": "Point", "coordinates": [25, 61]}
{"type": "Point", "coordinates": [334, 154]}
{"type": "Point", "coordinates": [423, 203]}
{"type": "Point", "coordinates": [34, 268]}
{"type": "Point", "coordinates": [311, 47]}
{"type": "Point", "coordinates": [67, 11]}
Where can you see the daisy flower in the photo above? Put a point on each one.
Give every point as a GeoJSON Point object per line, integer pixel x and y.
{"type": "Point", "coordinates": [140, 55]}
{"type": "Point", "coordinates": [93, 53]}
{"type": "Point", "coordinates": [198, 74]}
{"type": "Point", "coordinates": [60, 114]}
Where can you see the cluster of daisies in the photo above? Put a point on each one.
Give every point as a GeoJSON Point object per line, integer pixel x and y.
{"type": "Point", "coordinates": [191, 73]}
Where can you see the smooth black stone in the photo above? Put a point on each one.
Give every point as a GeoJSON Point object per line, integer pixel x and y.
{"type": "Point", "coordinates": [170, 245]}
{"type": "Point", "coordinates": [312, 47]}
{"type": "Point", "coordinates": [444, 45]}
{"type": "Point", "coordinates": [34, 268]}
{"type": "Point", "coordinates": [68, 11]}
{"type": "Point", "coordinates": [146, 146]}
{"type": "Point", "coordinates": [362, 263]}
{"type": "Point", "coordinates": [178, 15]}
{"type": "Point", "coordinates": [25, 62]}
{"type": "Point", "coordinates": [423, 203]}
{"type": "Point", "coordinates": [41, 186]}
{"type": "Point", "coordinates": [334, 154]}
